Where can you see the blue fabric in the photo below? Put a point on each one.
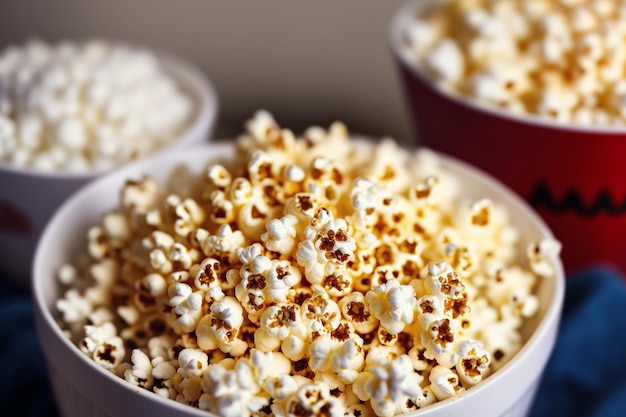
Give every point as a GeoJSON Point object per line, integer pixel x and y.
{"type": "Point", "coordinates": [576, 382]}
{"type": "Point", "coordinates": [586, 374]}
{"type": "Point", "coordinates": [24, 387]}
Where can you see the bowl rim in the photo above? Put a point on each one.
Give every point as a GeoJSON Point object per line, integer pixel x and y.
{"type": "Point", "coordinates": [399, 21]}
{"type": "Point", "coordinates": [218, 148]}
{"type": "Point", "coordinates": [186, 74]}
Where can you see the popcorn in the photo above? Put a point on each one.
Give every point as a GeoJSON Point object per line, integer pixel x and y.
{"type": "Point", "coordinates": [281, 234]}
{"type": "Point", "coordinates": [442, 281]}
{"type": "Point", "coordinates": [338, 352]}
{"type": "Point", "coordinates": [187, 306]}
{"type": "Point", "coordinates": [277, 323]}
{"type": "Point", "coordinates": [110, 353]}
{"type": "Point", "coordinates": [313, 400]}
{"type": "Point", "coordinates": [222, 244]}
{"type": "Point", "coordinates": [356, 310]}
{"type": "Point", "coordinates": [320, 313]}
{"type": "Point", "coordinates": [323, 250]}
{"type": "Point", "coordinates": [230, 392]}
{"type": "Point", "coordinates": [440, 342]}
{"type": "Point", "coordinates": [141, 372]}
{"type": "Point", "coordinates": [364, 285]}
{"type": "Point", "coordinates": [70, 108]}
{"type": "Point", "coordinates": [74, 307]}
{"type": "Point", "coordinates": [543, 58]}
{"type": "Point", "coordinates": [219, 328]}
{"type": "Point", "coordinates": [473, 362]}
{"type": "Point", "coordinates": [542, 255]}
{"type": "Point", "coordinates": [103, 345]}
{"type": "Point", "coordinates": [393, 304]}
{"type": "Point", "coordinates": [446, 61]}
{"type": "Point", "coordinates": [444, 383]}
{"type": "Point", "coordinates": [388, 385]}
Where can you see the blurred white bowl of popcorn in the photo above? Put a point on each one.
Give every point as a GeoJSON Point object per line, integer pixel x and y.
{"type": "Point", "coordinates": [532, 92]}
{"type": "Point", "coordinates": [73, 110]}
{"type": "Point", "coordinates": [296, 275]}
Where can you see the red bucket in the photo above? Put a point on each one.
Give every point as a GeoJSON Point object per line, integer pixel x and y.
{"type": "Point", "coordinates": [575, 177]}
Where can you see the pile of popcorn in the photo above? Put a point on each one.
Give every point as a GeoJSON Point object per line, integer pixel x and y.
{"type": "Point", "coordinates": [305, 276]}
{"type": "Point", "coordinates": [562, 60]}
{"type": "Point", "coordinates": [85, 106]}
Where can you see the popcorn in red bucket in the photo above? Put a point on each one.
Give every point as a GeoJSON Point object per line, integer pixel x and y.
{"type": "Point", "coordinates": [532, 93]}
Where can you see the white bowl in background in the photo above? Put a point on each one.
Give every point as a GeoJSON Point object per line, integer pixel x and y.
{"type": "Point", "coordinates": [82, 387]}
{"type": "Point", "coordinates": [28, 197]}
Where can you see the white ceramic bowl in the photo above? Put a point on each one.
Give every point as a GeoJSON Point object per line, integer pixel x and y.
{"type": "Point", "coordinates": [84, 388]}
{"type": "Point", "coordinates": [28, 198]}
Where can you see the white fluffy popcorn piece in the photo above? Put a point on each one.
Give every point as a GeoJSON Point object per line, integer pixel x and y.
{"type": "Point", "coordinates": [473, 362]}
{"type": "Point", "coordinates": [140, 196]}
{"type": "Point", "coordinates": [230, 392]}
{"type": "Point", "coordinates": [219, 175]}
{"type": "Point", "coordinates": [441, 339]}
{"type": "Point", "coordinates": [364, 285]}
{"type": "Point", "coordinates": [74, 306]}
{"type": "Point", "coordinates": [103, 344]}
{"type": "Point", "coordinates": [313, 399]}
{"type": "Point", "coordinates": [322, 250]}
{"type": "Point", "coordinates": [421, 36]}
{"type": "Point", "coordinates": [429, 309]}
{"type": "Point", "coordinates": [387, 385]}
{"type": "Point", "coordinates": [219, 328]}
{"type": "Point", "coordinates": [263, 281]}
{"type": "Point", "coordinates": [281, 234]}
{"type": "Point", "coordinates": [543, 256]}
{"type": "Point", "coordinates": [320, 313]}
{"type": "Point", "coordinates": [192, 362]}
{"type": "Point", "coordinates": [96, 335]}
{"type": "Point", "coordinates": [366, 195]}
{"type": "Point", "coordinates": [141, 372]}
{"type": "Point", "coordinates": [356, 310]}
{"type": "Point", "coordinates": [338, 352]}
{"type": "Point", "coordinates": [189, 216]}
{"type": "Point", "coordinates": [535, 58]}
{"type": "Point", "coordinates": [223, 244]}
{"type": "Point", "coordinates": [186, 306]}
{"type": "Point", "coordinates": [444, 382]}
{"type": "Point", "coordinates": [110, 353]}
{"type": "Point", "coordinates": [446, 61]}
{"type": "Point", "coordinates": [238, 391]}
{"type": "Point", "coordinates": [89, 105]}
{"type": "Point", "coordinates": [512, 288]}
{"type": "Point", "coordinates": [443, 281]}
{"type": "Point", "coordinates": [280, 388]}
{"type": "Point", "coordinates": [393, 304]}
{"type": "Point", "coordinates": [278, 322]}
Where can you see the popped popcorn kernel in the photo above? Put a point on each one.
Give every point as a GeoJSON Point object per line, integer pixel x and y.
{"type": "Point", "coordinates": [393, 305]}
{"type": "Point", "coordinates": [388, 385]}
{"type": "Point", "coordinates": [356, 310]}
{"type": "Point", "coordinates": [292, 281]}
{"type": "Point", "coordinates": [313, 400]}
{"type": "Point", "coordinates": [444, 382]}
{"type": "Point", "coordinates": [473, 362]}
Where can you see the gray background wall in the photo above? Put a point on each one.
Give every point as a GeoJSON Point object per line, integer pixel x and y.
{"type": "Point", "coordinates": [308, 62]}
